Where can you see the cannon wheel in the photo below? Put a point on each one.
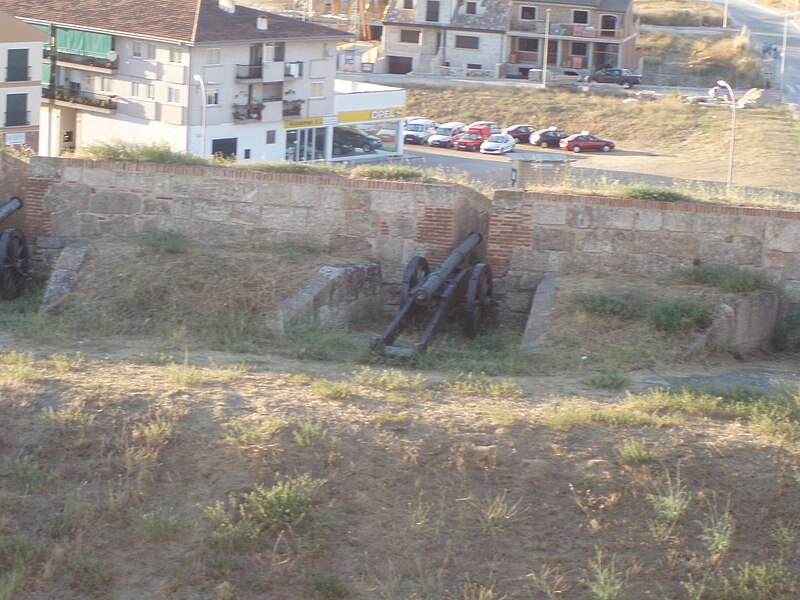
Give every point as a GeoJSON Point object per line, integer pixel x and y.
{"type": "Point", "coordinates": [416, 271]}
{"type": "Point", "coordinates": [13, 263]}
{"type": "Point", "coordinates": [479, 295]}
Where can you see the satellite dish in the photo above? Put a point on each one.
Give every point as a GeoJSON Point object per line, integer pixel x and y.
{"type": "Point", "coordinates": [112, 55]}
{"type": "Point", "coordinates": [330, 52]}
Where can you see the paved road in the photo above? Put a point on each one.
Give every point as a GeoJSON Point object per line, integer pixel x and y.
{"type": "Point", "coordinates": [766, 26]}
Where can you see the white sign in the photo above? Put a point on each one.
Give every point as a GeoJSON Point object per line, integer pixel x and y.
{"type": "Point", "coordinates": [330, 120]}
{"type": "Point", "coordinates": [15, 139]}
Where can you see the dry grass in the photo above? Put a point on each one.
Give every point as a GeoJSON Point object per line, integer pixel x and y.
{"type": "Point", "coordinates": [681, 13]}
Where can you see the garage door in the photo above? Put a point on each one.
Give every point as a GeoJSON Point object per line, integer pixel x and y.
{"type": "Point", "coordinates": [400, 65]}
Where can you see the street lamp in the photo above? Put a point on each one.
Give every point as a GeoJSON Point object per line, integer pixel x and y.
{"type": "Point", "coordinates": [546, 46]}
{"type": "Point", "coordinates": [199, 79]}
{"type": "Point", "coordinates": [733, 131]}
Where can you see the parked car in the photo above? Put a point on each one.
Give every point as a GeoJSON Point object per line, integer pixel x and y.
{"type": "Point", "coordinates": [521, 133]}
{"type": "Point", "coordinates": [356, 139]}
{"type": "Point", "coordinates": [418, 131]}
{"type": "Point", "coordinates": [548, 138]}
{"type": "Point", "coordinates": [472, 139]}
{"type": "Point", "coordinates": [583, 141]}
{"type": "Point", "coordinates": [447, 134]}
{"type": "Point", "coordinates": [493, 127]}
{"type": "Point", "coordinates": [622, 77]}
{"type": "Point", "coordinates": [499, 143]}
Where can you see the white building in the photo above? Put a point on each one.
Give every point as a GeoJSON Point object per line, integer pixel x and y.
{"type": "Point", "coordinates": [20, 87]}
{"type": "Point", "coordinates": [204, 76]}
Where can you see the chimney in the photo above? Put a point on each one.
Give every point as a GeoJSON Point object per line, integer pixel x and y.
{"type": "Point", "coordinates": [228, 6]}
{"type": "Point", "coordinates": [262, 23]}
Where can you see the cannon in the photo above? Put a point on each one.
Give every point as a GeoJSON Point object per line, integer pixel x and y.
{"type": "Point", "coordinates": [14, 262]}
{"type": "Point", "coordinates": [441, 290]}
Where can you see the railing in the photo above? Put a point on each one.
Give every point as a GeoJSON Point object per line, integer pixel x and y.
{"type": "Point", "coordinates": [525, 57]}
{"type": "Point", "coordinates": [17, 118]}
{"type": "Point", "coordinates": [86, 61]}
{"type": "Point", "coordinates": [565, 29]}
{"type": "Point", "coordinates": [245, 112]}
{"type": "Point", "coordinates": [18, 73]}
{"type": "Point", "coordinates": [74, 96]}
{"type": "Point", "coordinates": [293, 108]}
{"type": "Point", "coordinates": [249, 71]}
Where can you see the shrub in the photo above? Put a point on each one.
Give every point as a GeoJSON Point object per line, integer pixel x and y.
{"type": "Point", "coordinates": [387, 172]}
{"type": "Point", "coordinates": [728, 278]}
{"type": "Point", "coordinates": [680, 315]}
{"type": "Point", "coordinates": [627, 305]}
{"type": "Point", "coordinates": [646, 192]}
{"type": "Point", "coordinates": [295, 167]}
{"type": "Point", "coordinates": [157, 153]}
{"type": "Point", "coordinates": [609, 381]}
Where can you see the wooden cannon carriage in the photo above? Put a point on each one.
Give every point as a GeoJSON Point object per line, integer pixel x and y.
{"type": "Point", "coordinates": [14, 261]}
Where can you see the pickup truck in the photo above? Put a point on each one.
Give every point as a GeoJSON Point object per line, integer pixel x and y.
{"type": "Point", "coordinates": [622, 77]}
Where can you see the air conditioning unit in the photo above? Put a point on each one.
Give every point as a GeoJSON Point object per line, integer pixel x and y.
{"type": "Point", "coordinates": [293, 70]}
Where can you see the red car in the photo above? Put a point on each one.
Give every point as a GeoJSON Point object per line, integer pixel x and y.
{"type": "Point", "coordinates": [583, 141]}
{"type": "Point", "coordinates": [472, 139]}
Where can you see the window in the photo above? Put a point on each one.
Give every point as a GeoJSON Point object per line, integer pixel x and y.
{"type": "Point", "coordinates": [527, 13]}
{"type": "Point", "coordinates": [432, 11]}
{"type": "Point", "coordinates": [409, 36]}
{"type": "Point", "coordinates": [212, 97]}
{"type": "Point", "coordinates": [16, 110]}
{"type": "Point", "coordinates": [213, 56]}
{"type": "Point", "coordinates": [151, 52]}
{"type": "Point", "coordinates": [467, 41]}
{"type": "Point", "coordinates": [408, 3]}
{"type": "Point", "coordinates": [136, 49]}
{"type": "Point", "coordinates": [150, 91]}
{"type": "Point", "coordinates": [17, 69]}
{"type": "Point", "coordinates": [270, 136]}
{"type": "Point", "coordinates": [136, 89]}
{"type": "Point", "coordinates": [317, 89]}
{"type": "Point", "coordinates": [580, 16]}
{"type": "Point", "coordinates": [246, 153]}
{"type": "Point", "coordinates": [528, 45]}
{"type": "Point", "coordinates": [472, 8]}
{"type": "Point", "coordinates": [173, 95]}
{"type": "Point", "coordinates": [474, 66]}
{"type": "Point", "coordinates": [175, 56]}
{"type": "Point", "coordinates": [106, 84]}
{"type": "Point", "coordinates": [142, 90]}
{"type": "Point", "coordinates": [578, 48]}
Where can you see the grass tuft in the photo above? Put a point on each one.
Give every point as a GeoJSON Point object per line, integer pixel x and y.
{"type": "Point", "coordinates": [728, 278]}
{"type": "Point", "coordinates": [331, 390]}
{"type": "Point", "coordinates": [604, 581]}
{"type": "Point", "coordinates": [187, 375]}
{"type": "Point", "coordinates": [480, 384]}
{"type": "Point", "coordinates": [157, 153]}
{"type": "Point", "coordinates": [387, 172]}
{"type": "Point", "coordinates": [387, 379]}
{"type": "Point", "coordinates": [327, 586]}
{"type": "Point", "coordinates": [164, 242]}
{"type": "Point", "coordinates": [646, 192]}
{"type": "Point", "coordinates": [633, 452]}
{"type": "Point", "coordinates": [157, 526]}
{"type": "Point", "coordinates": [252, 430]}
{"type": "Point", "coordinates": [626, 305]}
{"type": "Point", "coordinates": [679, 316]}
{"type": "Point", "coordinates": [609, 381]}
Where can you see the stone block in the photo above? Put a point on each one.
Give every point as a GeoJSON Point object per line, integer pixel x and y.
{"type": "Point", "coordinates": [46, 166]}
{"type": "Point", "coordinates": [730, 249]}
{"type": "Point", "coordinates": [206, 209]}
{"type": "Point", "coordinates": [246, 213]}
{"type": "Point", "coordinates": [72, 174]}
{"type": "Point", "coordinates": [616, 218]}
{"type": "Point", "coordinates": [582, 217]}
{"type": "Point", "coordinates": [100, 178]}
{"type": "Point", "coordinates": [791, 266]}
{"type": "Point", "coordinates": [357, 223]}
{"type": "Point", "coordinates": [115, 203]}
{"type": "Point", "coordinates": [67, 197]}
{"type": "Point", "coordinates": [679, 221]}
{"type": "Point", "coordinates": [197, 187]}
{"type": "Point", "coordinates": [527, 259]}
{"type": "Point", "coordinates": [603, 240]}
{"type": "Point", "coordinates": [549, 214]}
{"type": "Point", "coordinates": [356, 200]}
{"type": "Point", "coordinates": [731, 225]}
{"type": "Point", "coordinates": [544, 300]}
{"type": "Point", "coordinates": [782, 235]}
{"type": "Point", "coordinates": [156, 207]}
{"type": "Point", "coordinates": [394, 203]}
{"type": "Point", "coordinates": [553, 239]}
{"type": "Point", "coordinates": [241, 191]}
{"type": "Point", "coordinates": [348, 245]}
{"type": "Point", "coordinates": [402, 226]}
{"type": "Point", "coordinates": [332, 221]}
{"type": "Point", "coordinates": [181, 207]}
{"type": "Point", "coordinates": [648, 220]}
{"type": "Point", "coordinates": [68, 223]}
{"type": "Point", "coordinates": [116, 224]}
{"type": "Point", "coordinates": [131, 180]}
{"type": "Point", "coordinates": [790, 288]}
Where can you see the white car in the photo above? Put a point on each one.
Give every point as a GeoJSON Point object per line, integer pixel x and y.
{"type": "Point", "coordinates": [418, 131]}
{"type": "Point", "coordinates": [499, 143]}
{"type": "Point", "coordinates": [446, 134]}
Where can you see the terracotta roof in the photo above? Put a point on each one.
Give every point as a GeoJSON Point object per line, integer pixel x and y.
{"type": "Point", "coordinates": [194, 21]}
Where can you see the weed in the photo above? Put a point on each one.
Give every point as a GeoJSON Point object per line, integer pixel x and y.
{"type": "Point", "coordinates": [767, 581]}
{"type": "Point", "coordinates": [64, 363]}
{"type": "Point", "coordinates": [331, 390]}
{"type": "Point", "coordinates": [387, 172]}
{"type": "Point", "coordinates": [156, 358]}
{"type": "Point", "coordinates": [609, 381]}
{"type": "Point", "coordinates": [679, 316]}
{"type": "Point", "coordinates": [387, 379]}
{"type": "Point", "coordinates": [70, 418]}
{"type": "Point", "coordinates": [318, 343]}
{"type": "Point", "coordinates": [717, 530]}
{"type": "Point", "coordinates": [164, 242]}
{"type": "Point", "coordinates": [30, 475]}
{"type": "Point", "coordinates": [186, 375]}
{"type": "Point", "coordinates": [633, 452]}
{"type": "Point", "coordinates": [785, 534]}
{"type": "Point", "coordinates": [157, 526]}
{"type": "Point", "coordinates": [473, 590]}
{"type": "Point", "coordinates": [604, 581]}
{"type": "Point", "coordinates": [549, 581]}
{"type": "Point", "coordinates": [646, 192]}
{"type": "Point", "coordinates": [390, 418]}
{"type": "Point", "coordinates": [89, 574]}
{"type": "Point", "coordinates": [252, 430]}
{"type": "Point", "coordinates": [17, 562]}
{"type": "Point", "coordinates": [626, 305]}
{"type": "Point", "coordinates": [493, 514]}
{"type": "Point", "coordinates": [327, 586]}
{"type": "Point", "coordinates": [311, 434]}
{"type": "Point", "coordinates": [419, 512]}
{"type": "Point", "coordinates": [157, 153]}
{"type": "Point", "coordinates": [157, 430]}
{"type": "Point", "coordinates": [670, 500]}
{"type": "Point", "coordinates": [502, 414]}
{"type": "Point", "coordinates": [480, 384]}
{"type": "Point", "coordinates": [574, 414]}
{"type": "Point", "coordinates": [728, 278]}
{"type": "Point", "coordinates": [18, 368]}
{"type": "Point", "coordinates": [296, 168]}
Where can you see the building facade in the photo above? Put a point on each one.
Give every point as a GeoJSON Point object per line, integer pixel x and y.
{"type": "Point", "coordinates": [20, 84]}
{"type": "Point", "coordinates": [203, 76]}
{"type": "Point", "coordinates": [508, 38]}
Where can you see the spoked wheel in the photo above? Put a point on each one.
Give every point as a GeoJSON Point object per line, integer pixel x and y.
{"type": "Point", "coordinates": [416, 271]}
{"type": "Point", "coordinates": [14, 264]}
{"type": "Point", "coordinates": [479, 296]}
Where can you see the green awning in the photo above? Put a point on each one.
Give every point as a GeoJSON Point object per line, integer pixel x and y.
{"type": "Point", "coordinates": [83, 43]}
{"type": "Point", "coordinates": [46, 29]}
{"type": "Point", "coordinates": [46, 74]}
{"type": "Point", "coordinates": [97, 45]}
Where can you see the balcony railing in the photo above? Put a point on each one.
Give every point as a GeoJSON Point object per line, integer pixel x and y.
{"type": "Point", "coordinates": [293, 108]}
{"type": "Point", "coordinates": [565, 29]}
{"type": "Point", "coordinates": [18, 118]}
{"type": "Point", "coordinates": [18, 73]}
{"type": "Point", "coordinates": [64, 94]}
{"type": "Point", "coordinates": [247, 112]}
{"type": "Point", "coordinates": [250, 71]}
{"type": "Point", "coordinates": [83, 61]}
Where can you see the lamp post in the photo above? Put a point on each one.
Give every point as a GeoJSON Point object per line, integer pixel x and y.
{"type": "Point", "coordinates": [783, 48]}
{"type": "Point", "coordinates": [725, 16]}
{"type": "Point", "coordinates": [199, 79]}
{"type": "Point", "coordinates": [546, 46]}
{"type": "Point", "coordinates": [733, 132]}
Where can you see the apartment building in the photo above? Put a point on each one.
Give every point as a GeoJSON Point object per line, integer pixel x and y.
{"type": "Point", "coordinates": [20, 83]}
{"type": "Point", "coordinates": [204, 76]}
{"type": "Point", "coordinates": [508, 38]}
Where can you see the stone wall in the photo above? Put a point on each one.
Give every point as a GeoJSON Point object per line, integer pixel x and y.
{"type": "Point", "coordinates": [13, 179]}
{"type": "Point", "coordinates": [387, 221]}
{"type": "Point", "coordinates": [531, 234]}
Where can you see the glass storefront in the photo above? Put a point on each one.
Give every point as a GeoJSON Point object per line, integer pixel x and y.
{"type": "Point", "coordinates": [305, 144]}
{"type": "Point", "coordinates": [350, 140]}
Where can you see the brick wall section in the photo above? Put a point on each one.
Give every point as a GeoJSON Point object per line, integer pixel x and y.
{"type": "Point", "coordinates": [536, 233]}
{"type": "Point", "coordinates": [387, 220]}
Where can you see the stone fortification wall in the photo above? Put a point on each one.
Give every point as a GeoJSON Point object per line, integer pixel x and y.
{"type": "Point", "coordinates": [531, 234]}
{"type": "Point", "coordinates": [388, 221]}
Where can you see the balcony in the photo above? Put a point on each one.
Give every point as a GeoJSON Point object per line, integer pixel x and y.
{"type": "Point", "coordinates": [293, 70]}
{"type": "Point", "coordinates": [71, 97]}
{"type": "Point", "coordinates": [18, 118]}
{"type": "Point", "coordinates": [89, 63]}
{"type": "Point", "coordinates": [563, 29]}
{"type": "Point", "coordinates": [293, 108]}
{"type": "Point", "coordinates": [250, 72]}
{"type": "Point", "coordinates": [18, 73]}
{"type": "Point", "coordinates": [247, 112]}
{"type": "Point", "coordinates": [525, 58]}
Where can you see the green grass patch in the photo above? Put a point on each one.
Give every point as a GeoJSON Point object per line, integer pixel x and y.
{"type": "Point", "coordinates": [608, 381]}
{"type": "Point", "coordinates": [156, 153]}
{"type": "Point", "coordinates": [89, 574]}
{"type": "Point", "coordinates": [319, 343]}
{"type": "Point", "coordinates": [331, 390]}
{"type": "Point", "coordinates": [679, 316]}
{"type": "Point", "coordinates": [387, 172]}
{"type": "Point", "coordinates": [164, 242]}
{"type": "Point", "coordinates": [187, 375]}
{"type": "Point", "coordinates": [252, 430]}
{"type": "Point", "coordinates": [728, 278]}
{"type": "Point", "coordinates": [157, 526]}
{"type": "Point", "coordinates": [635, 452]}
{"type": "Point", "coordinates": [327, 587]}
{"type": "Point", "coordinates": [647, 192]}
{"type": "Point", "coordinates": [629, 304]}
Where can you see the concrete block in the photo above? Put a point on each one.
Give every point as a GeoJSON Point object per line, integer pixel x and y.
{"type": "Point", "coordinates": [115, 203]}
{"type": "Point", "coordinates": [648, 220]}
{"type": "Point", "coordinates": [549, 214]}
{"type": "Point", "coordinates": [782, 235]}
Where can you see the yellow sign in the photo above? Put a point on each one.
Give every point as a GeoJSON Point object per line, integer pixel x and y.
{"type": "Point", "coordinates": [304, 122]}
{"type": "Point", "coordinates": [377, 114]}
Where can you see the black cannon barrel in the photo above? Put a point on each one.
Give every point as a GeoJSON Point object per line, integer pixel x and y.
{"type": "Point", "coordinates": [9, 207]}
{"type": "Point", "coordinates": [425, 291]}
